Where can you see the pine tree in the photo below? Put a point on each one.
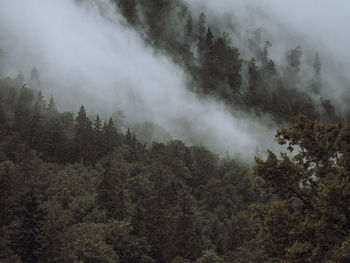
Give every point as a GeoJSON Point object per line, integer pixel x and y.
{"type": "Point", "coordinates": [209, 38]}
{"type": "Point", "coordinates": [202, 25]}
{"type": "Point", "coordinates": [26, 242]}
{"type": "Point", "coordinates": [111, 191]}
{"type": "Point", "coordinates": [111, 136]}
{"type": "Point", "coordinates": [187, 238]}
{"type": "Point", "coordinates": [23, 110]}
{"type": "Point", "coordinates": [189, 27]}
{"type": "Point", "coordinates": [34, 81]}
{"type": "Point", "coordinates": [40, 103]}
{"type": "Point", "coordinates": [253, 98]}
{"type": "Point", "coordinates": [35, 129]}
{"type": "Point", "coordinates": [293, 59]}
{"type": "Point", "coordinates": [317, 67]}
{"type": "Point", "coordinates": [84, 137]}
{"type": "Point", "coordinates": [51, 110]}
{"type": "Point", "coordinates": [3, 119]}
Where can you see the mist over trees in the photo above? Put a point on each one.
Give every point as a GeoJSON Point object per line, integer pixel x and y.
{"type": "Point", "coordinates": [217, 68]}
{"type": "Point", "coordinates": [85, 186]}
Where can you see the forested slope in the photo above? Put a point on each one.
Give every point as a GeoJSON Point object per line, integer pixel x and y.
{"type": "Point", "coordinates": [255, 83]}
{"type": "Point", "coordinates": [81, 188]}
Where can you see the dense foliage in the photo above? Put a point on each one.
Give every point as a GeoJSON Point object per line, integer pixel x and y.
{"type": "Point", "coordinates": [77, 188]}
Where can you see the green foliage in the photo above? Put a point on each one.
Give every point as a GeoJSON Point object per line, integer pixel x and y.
{"type": "Point", "coordinates": [209, 257]}
{"type": "Point", "coordinates": [76, 190]}
{"type": "Point", "coordinates": [307, 215]}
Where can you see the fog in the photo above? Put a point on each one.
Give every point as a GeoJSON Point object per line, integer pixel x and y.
{"type": "Point", "coordinates": [85, 55]}
{"type": "Point", "coordinates": [315, 25]}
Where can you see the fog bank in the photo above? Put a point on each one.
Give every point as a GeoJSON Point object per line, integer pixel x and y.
{"type": "Point", "coordinates": [85, 55]}
{"type": "Point", "coordinates": [315, 25]}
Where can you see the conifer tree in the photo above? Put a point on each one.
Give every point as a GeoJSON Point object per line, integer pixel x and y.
{"type": "Point", "coordinates": [23, 110]}
{"type": "Point", "coordinates": [34, 81]}
{"type": "Point", "coordinates": [111, 191]}
{"type": "Point", "coordinates": [51, 108]}
{"type": "Point", "coordinates": [26, 242]}
{"type": "Point", "coordinates": [83, 137]}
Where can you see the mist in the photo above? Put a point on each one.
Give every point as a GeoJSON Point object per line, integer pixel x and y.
{"type": "Point", "coordinates": [316, 26]}
{"type": "Point", "coordinates": [86, 55]}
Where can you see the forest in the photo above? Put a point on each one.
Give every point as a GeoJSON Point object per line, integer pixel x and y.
{"type": "Point", "coordinates": [82, 187]}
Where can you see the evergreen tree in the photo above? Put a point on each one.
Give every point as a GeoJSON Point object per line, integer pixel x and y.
{"type": "Point", "coordinates": [35, 129]}
{"type": "Point", "coordinates": [209, 38]}
{"type": "Point", "coordinates": [189, 27]}
{"type": "Point", "coordinates": [23, 110]}
{"type": "Point", "coordinates": [26, 242]}
{"type": "Point", "coordinates": [253, 98]}
{"type": "Point", "coordinates": [3, 119]}
{"type": "Point", "coordinates": [51, 108]}
{"type": "Point", "coordinates": [40, 103]}
{"type": "Point", "coordinates": [317, 67]}
{"type": "Point", "coordinates": [293, 59]}
{"type": "Point", "coordinates": [34, 81]}
{"type": "Point", "coordinates": [187, 238]}
{"type": "Point", "coordinates": [111, 136]}
{"type": "Point", "coordinates": [83, 137]}
{"type": "Point", "coordinates": [111, 191]}
{"type": "Point", "coordinates": [201, 26]}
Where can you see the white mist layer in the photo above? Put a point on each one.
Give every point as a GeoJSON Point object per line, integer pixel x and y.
{"type": "Point", "coordinates": [85, 58]}
{"type": "Point", "coordinates": [315, 25]}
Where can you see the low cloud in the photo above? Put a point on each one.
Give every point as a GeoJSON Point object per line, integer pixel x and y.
{"type": "Point", "coordinates": [86, 55]}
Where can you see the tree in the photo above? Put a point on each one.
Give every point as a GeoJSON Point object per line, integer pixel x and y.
{"type": "Point", "coordinates": [35, 129]}
{"type": "Point", "coordinates": [86, 242]}
{"type": "Point", "coordinates": [209, 38]}
{"type": "Point", "coordinates": [54, 140]}
{"type": "Point", "coordinates": [160, 216]}
{"type": "Point", "coordinates": [265, 52]}
{"type": "Point", "coordinates": [187, 238]}
{"type": "Point", "coordinates": [23, 110]}
{"type": "Point", "coordinates": [110, 135]}
{"type": "Point", "coordinates": [34, 80]}
{"type": "Point", "coordinates": [3, 119]}
{"type": "Point", "coordinates": [293, 59]}
{"type": "Point", "coordinates": [83, 137]}
{"type": "Point", "coordinates": [253, 96]}
{"type": "Point", "coordinates": [20, 79]}
{"type": "Point", "coordinates": [26, 242]}
{"type": "Point", "coordinates": [129, 10]}
{"type": "Point", "coordinates": [51, 108]}
{"type": "Point", "coordinates": [209, 256]}
{"type": "Point", "coordinates": [316, 84]}
{"type": "Point", "coordinates": [307, 213]}
{"type": "Point", "coordinates": [189, 27]}
{"type": "Point", "coordinates": [111, 191]}
{"type": "Point", "coordinates": [317, 67]}
{"type": "Point", "coordinates": [201, 25]}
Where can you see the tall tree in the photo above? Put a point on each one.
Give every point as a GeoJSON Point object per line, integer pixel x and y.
{"type": "Point", "coordinates": [317, 66]}
{"type": "Point", "coordinates": [23, 110]}
{"type": "Point", "coordinates": [293, 59]}
{"type": "Point", "coordinates": [26, 242]}
{"type": "Point", "coordinates": [111, 191]}
{"type": "Point", "coordinates": [34, 80]}
{"type": "Point", "coordinates": [83, 137]}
